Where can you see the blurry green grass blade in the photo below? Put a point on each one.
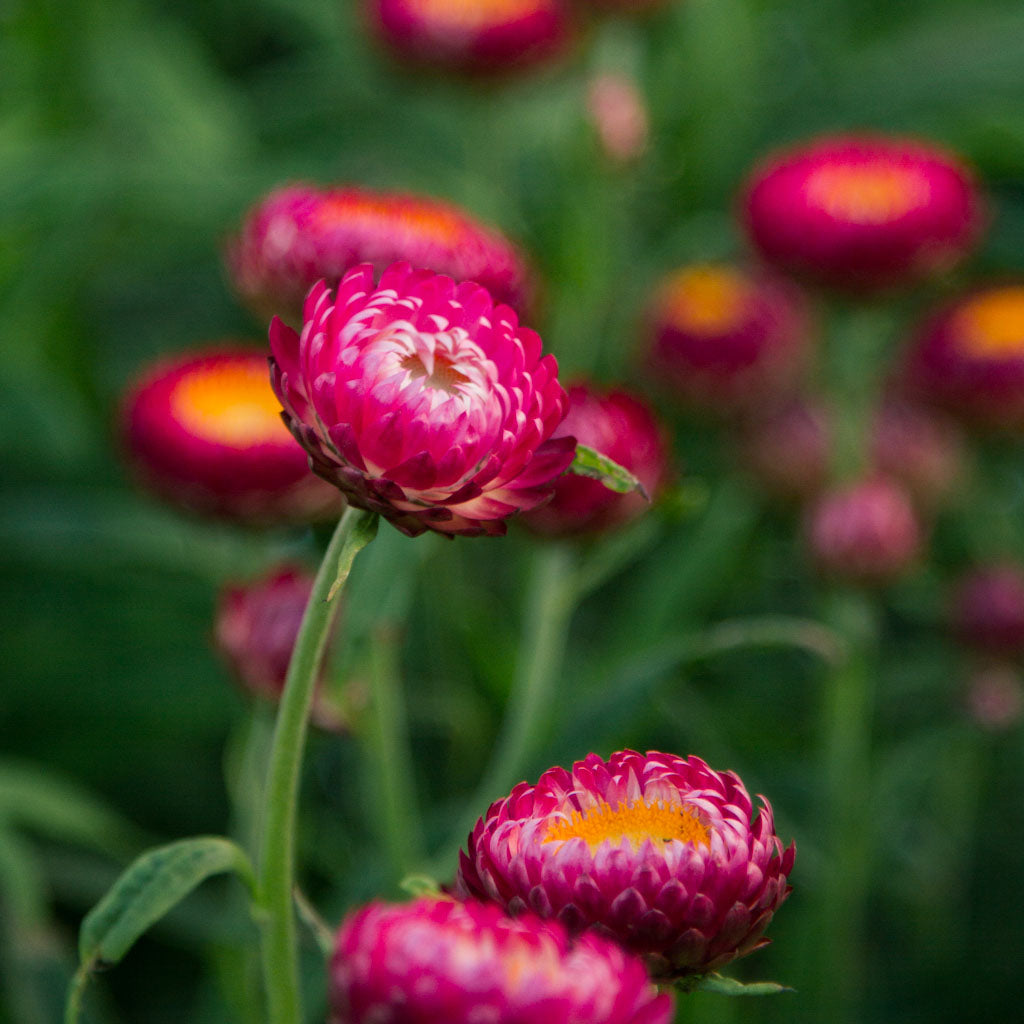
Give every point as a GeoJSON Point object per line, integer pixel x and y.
{"type": "Point", "coordinates": [151, 886]}
{"type": "Point", "coordinates": [715, 982]}
{"type": "Point", "coordinates": [23, 894]}
{"type": "Point", "coordinates": [39, 800]}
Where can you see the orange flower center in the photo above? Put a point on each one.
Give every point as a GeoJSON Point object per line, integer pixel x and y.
{"type": "Point", "coordinates": [229, 403]}
{"type": "Point", "coordinates": [473, 14]}
{"type": "Point", "coordinates": [991, 326]}
{"type": "Point", "coordinates": [636, 822]}
{"type": "Point", "coordinates": [370, 213]}
{"type": "Point", "coordinates": [705, 300]}
{"type": "Point", "coordinates": [868, 193]}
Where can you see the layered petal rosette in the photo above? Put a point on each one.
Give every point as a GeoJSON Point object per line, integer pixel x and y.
{"type": "Point", "coordinates": [436, 961]}
{"type": "Point", "coordinates": [725, 340]}
{"type": "Point", "coordinates": [659, 852]}
{"type": "Point", "coordinates": [299, 234]}
{"type": "Point", "coordinates": [622, 428]}
{"type": "Point", "coordinates": [256, 625]}
{"type": "Point", "coordinates": [969, 358]}
{"type": "Point", "coordinates": [473, 35]}
{"type": "Point", "coordinates": [204, 431]}
{"type": "Point", "coordinates": [863, 211]}
{"type": "Point", "coordinates": [422, 400]}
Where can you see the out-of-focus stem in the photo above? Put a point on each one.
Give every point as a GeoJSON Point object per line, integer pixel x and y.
{"type": "Point", "coordinates": [277, 861]}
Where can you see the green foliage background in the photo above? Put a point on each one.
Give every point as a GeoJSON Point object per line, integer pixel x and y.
{"type": "Point", "coordinates": [133, 134]}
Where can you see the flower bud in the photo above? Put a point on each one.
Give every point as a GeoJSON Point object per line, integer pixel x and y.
{"type": "Point", "coordinates": [988, 608]}
{"type": "Point", "coordinates": [862, 211]}
{"type": "Point", "coordinates": [619, 115]}
{"type": "Point", "coordinates": [786, 449]}
{"type": "Point", "coordinates": [995, 697]}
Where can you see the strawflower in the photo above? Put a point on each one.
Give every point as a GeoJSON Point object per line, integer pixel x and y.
{"type": "Point", "coordinates": [473, 35]}
{"type": "Point", "coordinates": [422, 400]}
{"type": "Point", "coordinates": [863, 211]}
{"type": "Point", "coordinates": [987, 610]}
{"type": "Point", "coordinates": [255, 627]}
{"type": "Point", "coordinates": [969, 358]}
{"type": "Point", "coordinates": [299, 234]}
{"type": "Point", "coordinates": [621, 427]}
{"type": "Point", "coordinates": [724, 340]}
{"type": "Point", "coordinates": [204, 431]}
{"type": "Point", "coordinates": [656, 851]}
{"type": "Point", "coordinates": [442, 962]}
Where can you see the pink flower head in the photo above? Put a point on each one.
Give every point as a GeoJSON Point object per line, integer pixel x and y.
{"type": "Point", "coordinates": [863, 211]}
{"type": "Point", "coordinates": [422, 400]}
{"type": "Point", "coordinates": [659, 852]}
{"type": "Point", "coordinates": [786, 449]}
{"type": "Point", "coordinates": [255, 629]}
{"type": "Point", "coordinates": [969, 358]}
{"type": "Point", "coordinates": [988, 608]}
{"type": "Point", "coordinates": [473, 35]}
{"type": "Point", "coordinates": [442, 962]}
{"type": "Point", "coordinates": [866, 532]}
{"type": "Point", "coordinates": [204, 431]}
{"type": "Point", "coordinates": [725, 340]}
{"type": "Point", "coordinates": [622, 428]}
{"type": "Point", "coordinates": [299, 234]}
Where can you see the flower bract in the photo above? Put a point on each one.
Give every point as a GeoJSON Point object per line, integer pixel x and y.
{"type": "Point", "coordinates": [443, 962]}
{"type": "Point", "coordinates": [422, 400]}
{"type": "Point", "coordinates": [659, 852]}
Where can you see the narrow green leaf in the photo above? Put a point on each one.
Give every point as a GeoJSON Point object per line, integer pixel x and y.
{"type": "Point", "coordinates": [150, 887]}
{"type": "Point", "coordinates": [420, 885]}
{"type": "Point", "coordinates": [715, 982]}
{"type": "Point", "coordinates": [590, 463]}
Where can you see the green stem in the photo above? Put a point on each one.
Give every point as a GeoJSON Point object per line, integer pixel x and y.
{"type": "Point", "coordinates": [388, 740]}
{"type": "Point", "coordinates": [277, 861]}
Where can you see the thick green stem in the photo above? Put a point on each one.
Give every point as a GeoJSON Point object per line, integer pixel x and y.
{"type": "Point", "coordinates": [277, 860]}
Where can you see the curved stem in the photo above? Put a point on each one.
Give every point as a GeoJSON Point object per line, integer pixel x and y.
{"type": "Point", "coordinates": [277, 860]}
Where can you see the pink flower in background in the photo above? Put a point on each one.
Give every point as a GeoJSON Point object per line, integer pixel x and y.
{"type": "Point", "coordinates": [622, 428]}
{"type": "Point", "coordinates": [863, 211]}
{"type": "Point", "coordinates": [255, 628]}
{"type": "Point", "coordinates": [299, 234]}
{"type": "Point", "coordinates": [442, 962]}
{"type": "Point", "coordinates": [995, 697]}
{"type": "Point", "coordinates": [969, 358]}
{"type": "Point", "coordinates": [422, 400]}
{"type": "Point", "coordinates": [618, 113]}
{"type": "Point", "coordinates": [659, 852]}
{"type": "Point", "coordinates": [865, 532]}
{"type": "Point", "coordinates": [725, 340]}
{"type": "Point", "coordinates": [204, 431]}
{"type": "Point", "coordinates": [786, 448]}
{"type": "Point", "coordinates": [988, 608]}
{"type": "Point", "coordinates": [473, 35]}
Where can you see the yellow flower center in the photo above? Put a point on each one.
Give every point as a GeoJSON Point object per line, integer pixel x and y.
{"type": "Point", "coordinates": [636, 822]}
{"type": "Point", "coordinates": [370, 213]}
{"type": "Point", "coordinates": [870, 193]}
{"type": "Point", "coordinates": [229, 403]}
{"type": "Point", "coordinates": [705, 300]}
{"type": "Point", "coordinates": [473, 14]}
{"type": "Point", "coordinates": [991, 326]}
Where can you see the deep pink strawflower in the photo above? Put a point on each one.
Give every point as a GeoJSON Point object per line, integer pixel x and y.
{"type": "Point", "coordinates": [621, 427]}
{"type": "Point", "coordinates": [658, 852]}
{"type": "Point", "coordinates": [866, 532]}
{"type": "Point", "coordinates": [422, 400]}
{"type": "Point", "coordinates": [969, 358]}
{"type": "Point", "coordinates": [204, 431]}
{"type": "Point", "coordinates": [443, 962]}
{"type": "Point", "coordinates": [863, 211]}
{"type": "Point", "coordinates": [299, 234]}
{"type": "Point", "coordinates": [473, 35]}
{"type": "Point", "coordinates": [255, 628]}
{"type": "Point", "coordinates": [724, 340]}
{"type": "Point", "coordinates": [987, 610]}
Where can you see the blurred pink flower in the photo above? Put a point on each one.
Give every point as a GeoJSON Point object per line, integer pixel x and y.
{"type": "Point", "coordinates": [987, 609]}
{"type": "Point", "coordinates": [204, 431]}
{"type": "Point", "coordinates": [442, 962]}
{"type": "Point", "coordinates": [995, 697]}
{"type": "Point", "coordinates": [299, 234]}
{"type": "Point", "coordinates": [422, 400]}
{"type": "Point", "coordinates": [619, 115]}
{"type": "Point", "coordinates": [622, 428]}
{"type": "Point", "coordinates": [863, 211]}
{"type": "Point", "coordinates": [659, 852]}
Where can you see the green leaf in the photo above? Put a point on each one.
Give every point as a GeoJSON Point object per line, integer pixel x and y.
{"type": "Point", "coordinates": [715, 982]}
{"type": "Point", "coordinates": [593, 464]}
{"type": "Point", "coordinates": [420, 885]}
{"type": "Point", "coordinates": [150, 887]}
